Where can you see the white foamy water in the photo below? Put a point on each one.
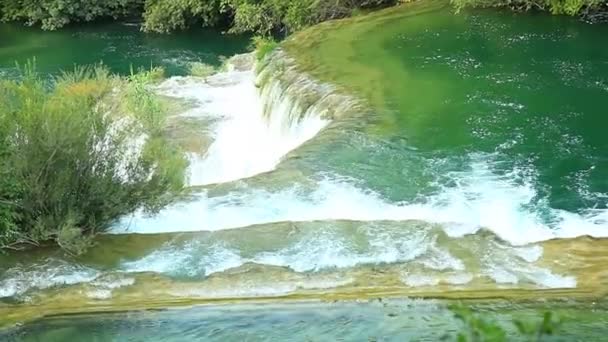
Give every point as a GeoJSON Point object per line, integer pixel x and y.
{"type": "Point", "coordinates": [481, 200]}
{"type": "Point", "coordinates": [247, 140]}
{"type": "Point", "coordinates": [253, 134]}
{"type": "Point", "coordinates": [317, 251]}
{"type": "Point", "coordinates": [18, 280]}
{"type": "Point", "coordinates": [416, 252]}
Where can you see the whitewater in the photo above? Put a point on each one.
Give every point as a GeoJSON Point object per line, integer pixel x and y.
{"type": "Point", "coordinates": [258, 120]}
{"type": "Point", "coordinates": [254, 213]}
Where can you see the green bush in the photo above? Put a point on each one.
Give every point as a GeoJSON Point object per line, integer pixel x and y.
{"type": "Point", "coordinates": [568, 7]}
{"type": "Point", "coordinates": [79, 153]}
{"type": "Point", "coordinates": [259, 16]}
{"type": "Point", "coordinates": [165, 16]}
{"type": "Point", "coordinates": [53, 14]}
{"type": "Point", "coordinates": [263, 46]}
{"type": "Point", "coordinates": [287, 16]}
{"type": "Point", "coordinates": [200, 69]}
{"type": "Point", "coordinates": [262, 17]}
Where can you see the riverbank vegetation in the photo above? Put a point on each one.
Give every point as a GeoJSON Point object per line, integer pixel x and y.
{"type": "Point", "coordinates": [79, 152]}
{"type": "Point", "coordinates": [585, 8]}
{"type": "Point", "coordinates": [258, 16]}
{"type": "Point", "coordinates": [237, 16]}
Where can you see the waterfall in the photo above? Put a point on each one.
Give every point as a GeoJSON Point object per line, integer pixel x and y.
{"type": "Point", "coordinates": [257, 113]}
{"type": "Point", "coordinates": [260, 113]}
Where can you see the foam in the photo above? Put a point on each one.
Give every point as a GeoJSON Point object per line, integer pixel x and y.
{"type": "Point", "coordinates": [246, 140]}
{"type": "Point", "coordinates": [19, 280]}
{"type": "Point", "coordinates": [481, 200]}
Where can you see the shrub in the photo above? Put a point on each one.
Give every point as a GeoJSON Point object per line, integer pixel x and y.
{"type": "Point", "coordinates": [287, 16]}
{"type": "Point", "coordinates": [200, 69]}
{"type": "Point", "coordinates": [259, 16]}
{"type": "Point", "coordinates": [568, 7]}
{"type": "Point", "coordinates": [165, 16]}
{"type": "Point", "coordinates": [54, 14]}
{"type": "Point", "coordinates": [76, 157]}
{"type": "Point", "coordinates": [263, 46]}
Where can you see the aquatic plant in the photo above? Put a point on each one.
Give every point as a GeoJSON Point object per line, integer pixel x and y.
{"type": "Point", "coordinates": [77, 153]}
{"type": "Point", "coordinates": [478, 329]}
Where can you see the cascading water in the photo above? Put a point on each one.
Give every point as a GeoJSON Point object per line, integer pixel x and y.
{"type": "Point", "coordinates": [253, 129]}
{"type": "Point", "coordinates": [447, 179]}
{"type": "Point", "coordinates": [300, 191]}
{"type": "Point", "coordinates": [261, 115]}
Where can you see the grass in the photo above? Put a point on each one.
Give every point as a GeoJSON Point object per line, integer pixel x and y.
{"type": "Point", "coordinates": [263, 47]}
{"type": "Point", "coordinates": [200, 69]}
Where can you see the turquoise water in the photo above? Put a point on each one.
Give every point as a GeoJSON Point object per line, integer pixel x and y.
{"type": "Point", "coordinates": [375, 321]}
{"type": "Point", "coordinates": [117, 45]}
{"type": "Point", "coordinates": [484, 113]}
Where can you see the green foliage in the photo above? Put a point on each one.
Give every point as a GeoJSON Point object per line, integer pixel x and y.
{"type": "Point", "coordinates": [267, 16]}
{"type": "Point", "coordinates": [568, 7]}
{"type": "Point", "coordinates": [140, 101]}
{"type": "Point", "coordinates": [263, 46]}
{"type": "Point", "coordinates": [200, 69]}
{"type": "Point", "coordinates": [263, 17]}
{"type": "Point", "coordinates": [259, 16]}
{"type": "Point", "coordinates": [53, 14]}
{"type": "Point", "coordinates": [164, 16]}
{"type": "Point", "coordinates": [79, 153]}
{"type": "Point", "coordinates": [478, 329]}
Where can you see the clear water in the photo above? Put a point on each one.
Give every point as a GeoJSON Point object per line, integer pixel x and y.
{"type": "Point", "coordinates": [374, 321]}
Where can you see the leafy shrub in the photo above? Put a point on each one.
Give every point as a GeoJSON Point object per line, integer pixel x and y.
{"type": "Point", "coordinates": [53, 14]}
{"type": "Point", "coordinates": [264, 17]}
{"type": "Point", "coordinates": [200, 69]}
{"type": "Point", "coordinates": [263, 46]}
{"type": "Point", "coordinates": [568, 7]}
{"type": "Point", "coordinates": [259, 16]}
{"type": "Point", "coordinates": [165, 16]}
{"type": "Point", "coordinates": [79, 153]}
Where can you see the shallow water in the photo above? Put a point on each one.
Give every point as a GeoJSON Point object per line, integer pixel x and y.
{"type": "Point", "coordinates": [413, 152]}
{"type": "Point", "coordinates": [408, 320]}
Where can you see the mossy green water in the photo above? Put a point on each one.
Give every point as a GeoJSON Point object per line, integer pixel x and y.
{"type": "Point", "coordinates": [529, 90]}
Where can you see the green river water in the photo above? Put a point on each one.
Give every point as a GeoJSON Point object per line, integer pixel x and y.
{"type": "Point", "coordinates": [120, 46]}
{"type": "Point", "coordinates": [408, 153]}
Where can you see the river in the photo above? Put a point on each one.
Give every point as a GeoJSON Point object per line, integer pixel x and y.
{"type": "Point", "coordinates": [409, 153]}
{"type": "Point", "coordinates": [120, 46]}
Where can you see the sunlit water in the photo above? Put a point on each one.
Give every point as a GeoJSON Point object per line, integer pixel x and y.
{"type": "Point", "coordinates": [431, 155]}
